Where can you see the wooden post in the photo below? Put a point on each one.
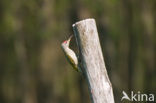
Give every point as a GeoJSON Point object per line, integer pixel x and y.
{"type": "Point", "coordinates": [92, 60]}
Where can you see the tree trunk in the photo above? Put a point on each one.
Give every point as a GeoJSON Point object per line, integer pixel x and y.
{"type": "Point", "coordinates": [92, 61]}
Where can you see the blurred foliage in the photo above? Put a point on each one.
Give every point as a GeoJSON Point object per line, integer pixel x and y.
{"type": "Point", "coordinates": [33, 68]}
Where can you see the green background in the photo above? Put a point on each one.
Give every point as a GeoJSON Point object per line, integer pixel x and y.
{"type": "Point", "coordinates": [33, 68]}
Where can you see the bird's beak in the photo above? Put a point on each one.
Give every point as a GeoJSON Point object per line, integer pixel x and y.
{"type": "Point", "coordinates": [68, 41]}
{"type": "Point", "coordinates": [70, 37]}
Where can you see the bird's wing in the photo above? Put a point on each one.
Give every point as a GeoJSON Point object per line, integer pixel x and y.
{"type": "Point", "coordinates": [73, 60]}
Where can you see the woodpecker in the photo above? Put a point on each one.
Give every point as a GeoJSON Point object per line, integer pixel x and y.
{"type": "Point", "coordinates": [70, 54]}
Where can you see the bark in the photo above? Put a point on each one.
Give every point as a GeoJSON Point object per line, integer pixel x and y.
{"type": "Point", "coordinates": [92, 61]}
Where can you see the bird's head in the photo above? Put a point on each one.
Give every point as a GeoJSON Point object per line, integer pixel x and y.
{"type": "Point", "coordinates": [67, 42]}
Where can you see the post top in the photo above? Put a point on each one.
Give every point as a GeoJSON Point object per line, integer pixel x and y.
{"type": "Point", "coordinates": [85, 20]}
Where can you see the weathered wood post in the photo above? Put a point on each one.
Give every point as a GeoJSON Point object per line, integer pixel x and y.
{"type": "Point", "coordinates": [99, 84]}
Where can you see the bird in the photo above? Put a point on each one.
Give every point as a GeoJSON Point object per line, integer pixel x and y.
{"type": "Point", "coordinates": [70, 54]}
{"type": "Point", "coordinates": [125, 96]}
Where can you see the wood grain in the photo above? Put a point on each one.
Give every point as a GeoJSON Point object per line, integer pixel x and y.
{"type": "Point", "coordinates": [91, 56]}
